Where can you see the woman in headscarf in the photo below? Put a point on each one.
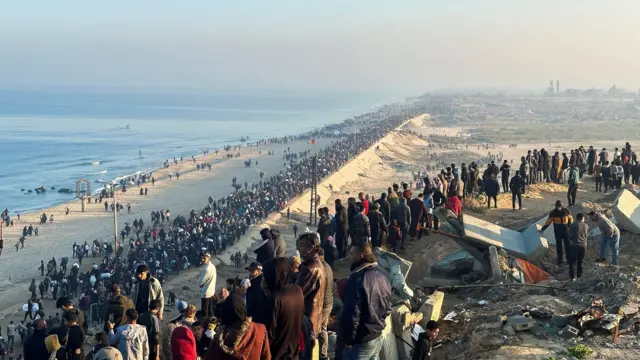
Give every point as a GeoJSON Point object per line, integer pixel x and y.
{"type": "Point", "coordinates": [237, 337]}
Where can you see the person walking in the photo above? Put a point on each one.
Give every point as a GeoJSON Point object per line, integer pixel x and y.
{"type": "Point", "coordinates": [578, 234]}
{"type": "Point", "coordinates": [610, 237]}
{"type": "Point", "coordinates": [561, 218]}
{"type": "Point", "coordinates": [517, 186]}
{"type": "Point", "coordinates": [207, 284]}
{"type": "Point", "coordinates": [362, 322]}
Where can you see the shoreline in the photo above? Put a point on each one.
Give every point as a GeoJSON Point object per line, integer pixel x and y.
{"type": "Point", "coordinates": [97, 222]}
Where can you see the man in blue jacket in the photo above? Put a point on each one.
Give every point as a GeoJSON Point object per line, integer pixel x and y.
{"type": "Point", "coordinates": [366, 306]}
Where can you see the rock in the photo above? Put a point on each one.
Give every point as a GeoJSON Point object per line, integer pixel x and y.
{"type": "Point", "coordinates": [521, 323]}
{"type": "Point", "coordinates": [508, 330]}
{"type": "Point", "coordinates": [569, 332]}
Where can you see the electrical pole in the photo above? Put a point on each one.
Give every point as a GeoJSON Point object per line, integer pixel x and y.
{"type": "Point", "coordinates": [115, 223]}
{"type": "Point", "coordinates": [313, 215]}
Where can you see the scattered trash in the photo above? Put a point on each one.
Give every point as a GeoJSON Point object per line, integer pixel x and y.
{"type": "Point", "coordinates": [450, 316]}
{"type": "Point", "coordinates": [483, 302]}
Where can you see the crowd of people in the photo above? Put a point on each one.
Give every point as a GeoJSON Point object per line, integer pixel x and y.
{"type": "Point", "coordinates": [280, 310]}
{"type": "Point", "coordinates": [169, 245]}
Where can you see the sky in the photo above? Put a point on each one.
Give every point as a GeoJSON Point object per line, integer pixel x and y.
{"type": "Point", "coordinates": [401, 45]}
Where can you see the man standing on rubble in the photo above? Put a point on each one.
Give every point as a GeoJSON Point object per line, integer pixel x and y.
{"type": "Point", "coordinates": [578, 234]}
{"type": "Point", "coordinates": [561, 218]}
{"type": "Point", "coordinates": [610, 237]}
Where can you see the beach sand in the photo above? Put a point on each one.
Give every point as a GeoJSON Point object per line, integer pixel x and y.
{"type": "Point", "coordinates": [180, 196]}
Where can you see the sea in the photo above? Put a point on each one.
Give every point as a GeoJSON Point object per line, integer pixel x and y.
{"type": "Point", "coordinates": [54, 137]}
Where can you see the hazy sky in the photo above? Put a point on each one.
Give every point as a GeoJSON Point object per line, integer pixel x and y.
{"type": "Point", "coordinates": [320, 44]}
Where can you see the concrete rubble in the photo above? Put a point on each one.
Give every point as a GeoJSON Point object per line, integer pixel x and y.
{"type": "Point", "coordinates": [626, 209]}
{"type": "Point", "coordinates": [528, 244]}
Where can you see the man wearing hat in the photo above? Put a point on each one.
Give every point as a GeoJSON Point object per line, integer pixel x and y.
{"type": "Point", "coordinates": [256, 298]}
{"type": "Point", "coordinates": [207, 284]}
{"type": "Point", "coordinates": [561, 218]}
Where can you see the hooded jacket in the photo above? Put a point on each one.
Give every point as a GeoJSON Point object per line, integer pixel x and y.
{"type": "Point", "coordinates": [118, 307]}
{"type": "Point", "coordinates": [155, 292]}
{"type": "Point", "coordinates": [132, 342]}
{"type": "Point", "coordinates": [287, 309]}
{"type": "Point", "coordinates": [183, 344]}
{"type": "Point", "coordinates": [265, 252]}
{"type": "Point", "coordinates": [366, 304]}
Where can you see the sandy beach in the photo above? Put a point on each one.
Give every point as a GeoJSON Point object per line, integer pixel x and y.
{"type": "Point", "coordinates": [191, 191]}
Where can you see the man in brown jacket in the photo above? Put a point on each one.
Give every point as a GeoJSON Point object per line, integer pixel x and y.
{"type": "Point", "coordinates": [312, 278]}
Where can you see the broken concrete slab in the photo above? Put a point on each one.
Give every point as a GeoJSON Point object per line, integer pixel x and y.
{"type": "Point", "coordinates": [521, 322]}
{"type": "Point", "coordinates": [529, 244]}
{"type": "Point", "coordinates": [432, 308]}
{"type": "Point", "coordinates": [626, 209]}
{"type": "Point", "coordinates": [386, 261]}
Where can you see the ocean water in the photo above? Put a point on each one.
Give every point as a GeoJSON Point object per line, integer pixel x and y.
{"type": "Point", "coordinates": [53, 138]}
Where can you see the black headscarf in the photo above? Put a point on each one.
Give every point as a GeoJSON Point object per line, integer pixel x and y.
{"type": "Point", "coordinates": [233, 311]}
{"type": "Point", "coordinates": [277, 273]}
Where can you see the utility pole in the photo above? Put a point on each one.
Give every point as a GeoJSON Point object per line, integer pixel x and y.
{"type": "Point", "coordinates": [115, 223]}
{"type": "Point", "coordinates": [313, 214]}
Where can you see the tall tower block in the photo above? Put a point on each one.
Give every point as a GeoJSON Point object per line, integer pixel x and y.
{"type": "Point", "coordinates": [557, 86]}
